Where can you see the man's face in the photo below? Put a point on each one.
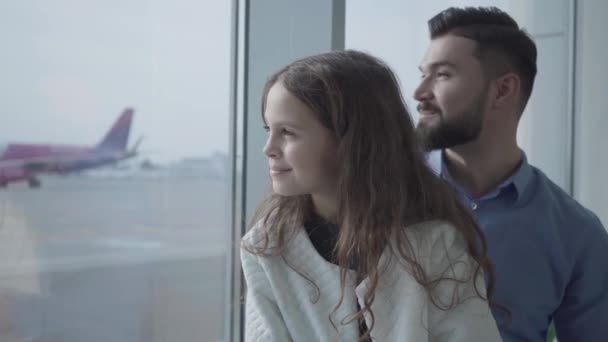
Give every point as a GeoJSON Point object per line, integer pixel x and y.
{"type": "Point", "coordinates": [452, 93]}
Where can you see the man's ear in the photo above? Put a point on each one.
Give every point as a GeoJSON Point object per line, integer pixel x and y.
{"type": "Point", "coordinates": [507, 90]}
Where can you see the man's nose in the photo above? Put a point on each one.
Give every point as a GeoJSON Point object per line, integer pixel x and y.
{"type": "Point", "coordinates": [423, 92]}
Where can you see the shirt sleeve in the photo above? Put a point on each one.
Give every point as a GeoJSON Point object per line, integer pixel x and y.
{"type": "Point", "coordinates": [457, 313]}
{"type": "Point", "coordinates": [582, 314]}
{"type": "Point", "coordinates": [263, 319]}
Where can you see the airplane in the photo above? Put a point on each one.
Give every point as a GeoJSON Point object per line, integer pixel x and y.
{"type": "Point", "coordinates": [23, 162]}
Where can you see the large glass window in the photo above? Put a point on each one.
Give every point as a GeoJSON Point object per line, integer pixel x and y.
{"type": "Point", "coordinates": [105, 236]}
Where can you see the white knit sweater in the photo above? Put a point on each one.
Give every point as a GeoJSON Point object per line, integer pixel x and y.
{"type": "Point", "coordinates": [281, 306]}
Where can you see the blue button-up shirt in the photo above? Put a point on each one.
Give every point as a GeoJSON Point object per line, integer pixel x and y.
{"type": "Point", "coordinates": [550, 255]}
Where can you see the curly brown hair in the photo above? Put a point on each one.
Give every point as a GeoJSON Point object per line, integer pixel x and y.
{"type": "Point", "coordinates": [384, 185]}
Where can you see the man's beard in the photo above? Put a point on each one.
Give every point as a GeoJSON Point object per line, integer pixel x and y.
{"type": "Point", "coordinates": [456, 129]}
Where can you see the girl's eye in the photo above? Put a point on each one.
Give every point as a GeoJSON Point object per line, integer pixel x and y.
{"type": "Point", "coordinates": [282, 131]}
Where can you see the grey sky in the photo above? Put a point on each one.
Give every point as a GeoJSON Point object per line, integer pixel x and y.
{"type": "Point", "coordinates": [69, 67]}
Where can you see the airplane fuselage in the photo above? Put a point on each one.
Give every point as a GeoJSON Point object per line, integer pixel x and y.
{"type": "Point", "coordinates": [22, 162]}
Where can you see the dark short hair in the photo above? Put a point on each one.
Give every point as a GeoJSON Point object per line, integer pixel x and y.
{"type": "Point", "coordinates": [502, 46]}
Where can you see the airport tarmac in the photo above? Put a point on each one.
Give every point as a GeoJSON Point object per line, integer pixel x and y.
{"type": "Point", "coordinates": [120, 259]}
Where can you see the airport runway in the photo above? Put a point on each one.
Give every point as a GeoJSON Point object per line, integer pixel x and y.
{"type": "Point", "coordinates": [103, 259]}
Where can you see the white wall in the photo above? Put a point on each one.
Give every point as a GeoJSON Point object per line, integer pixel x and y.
{"type": "Point", "coordinates": [545, 130]}
{"type": "Point", "coordinates": [591, 107]}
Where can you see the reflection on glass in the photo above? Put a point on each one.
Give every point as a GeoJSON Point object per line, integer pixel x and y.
{"type": "Point", "coordinates": [105, 236]}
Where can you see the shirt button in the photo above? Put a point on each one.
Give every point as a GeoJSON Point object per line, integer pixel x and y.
{"type": "Point", "coordinates": [473, 205]}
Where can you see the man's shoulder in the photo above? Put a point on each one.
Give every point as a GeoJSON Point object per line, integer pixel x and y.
{"type": "Point", "coordinates": [565, 206]}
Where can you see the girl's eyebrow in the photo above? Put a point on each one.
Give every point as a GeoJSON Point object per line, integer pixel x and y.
{"type": "Point", "coordinates": [284, 123]}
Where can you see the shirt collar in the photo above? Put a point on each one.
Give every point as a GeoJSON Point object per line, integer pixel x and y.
{"type": "Point", "coordinates": [519, 179]}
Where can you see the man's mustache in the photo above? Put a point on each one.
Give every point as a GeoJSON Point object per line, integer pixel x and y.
{"type": "Point", "coordinates": [427, 106]}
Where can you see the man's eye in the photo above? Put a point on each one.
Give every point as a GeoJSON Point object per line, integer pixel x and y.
{"type": "Point", "coordinates": [443, 74]}
{"type": "Point", "coordinates": [285, 131]}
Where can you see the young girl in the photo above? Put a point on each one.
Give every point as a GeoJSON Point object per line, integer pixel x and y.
{"type": "Point", "coordinates": [359, 240]}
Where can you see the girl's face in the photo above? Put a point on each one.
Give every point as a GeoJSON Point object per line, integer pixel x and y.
{"type": "Point", "coordinates": [301, 152]}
